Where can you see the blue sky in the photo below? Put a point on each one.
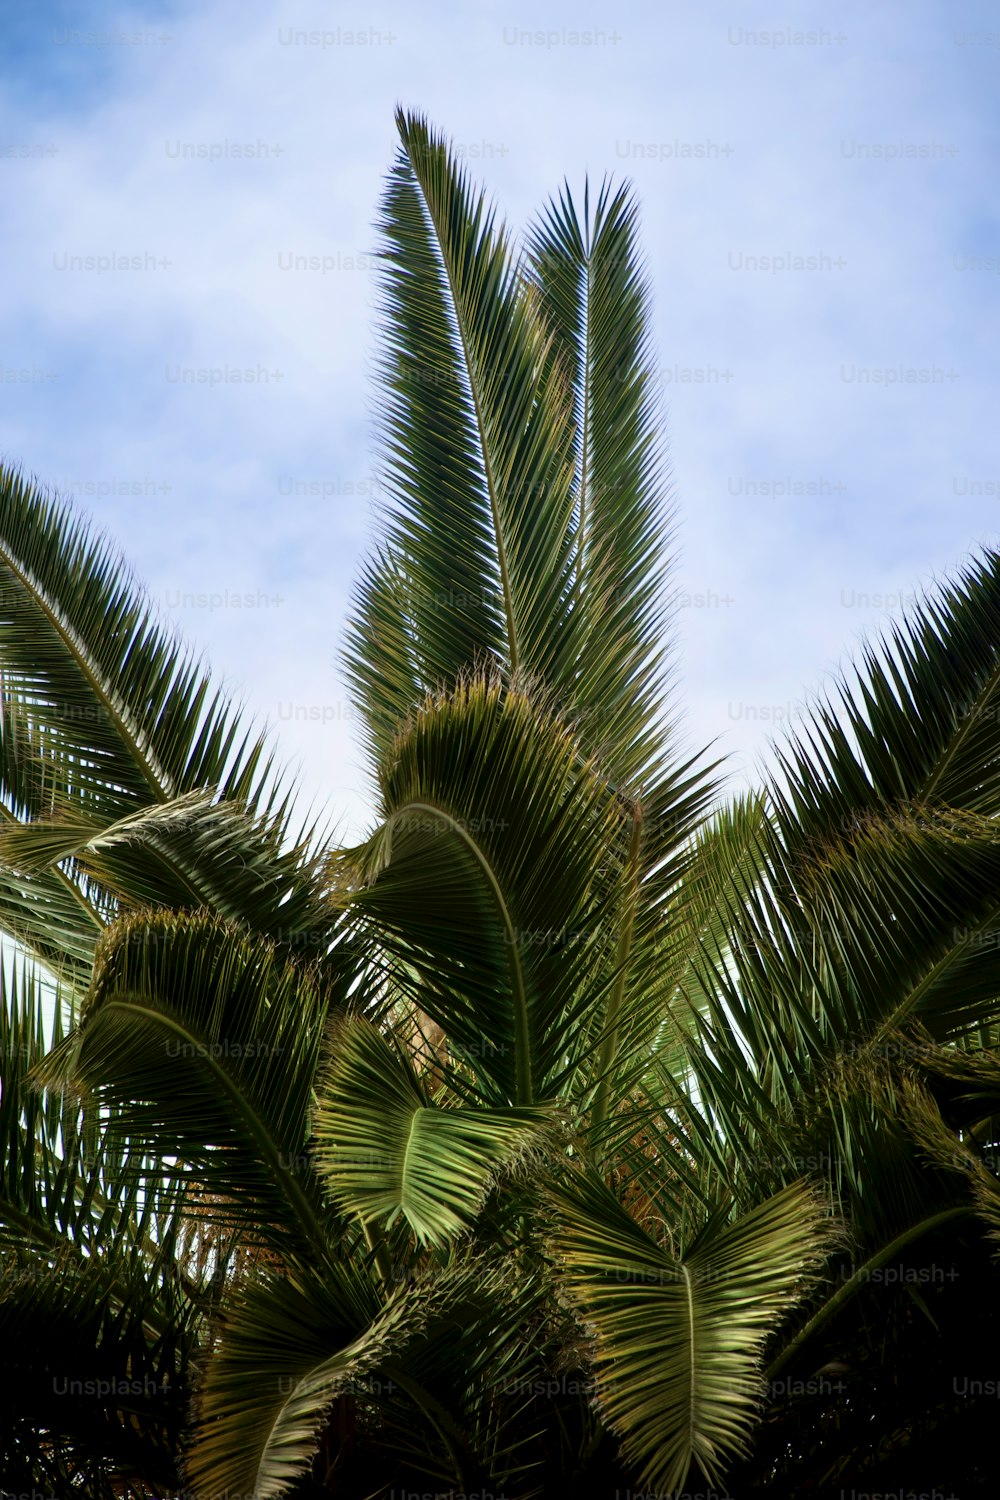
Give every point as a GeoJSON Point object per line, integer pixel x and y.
{"type": "Point", "coordinates": [822, 222]}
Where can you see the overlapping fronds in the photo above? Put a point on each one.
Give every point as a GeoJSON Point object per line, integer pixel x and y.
{"type": "Point", "coordinates": [615, 1072]}
{"type": "Point", "coordinates": [489, 879]}
{"type": "Point", "coordinates": [203, 1043]}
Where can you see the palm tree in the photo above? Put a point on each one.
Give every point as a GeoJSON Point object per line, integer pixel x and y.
{"type": "Point", "coordinates": [543, 1137]}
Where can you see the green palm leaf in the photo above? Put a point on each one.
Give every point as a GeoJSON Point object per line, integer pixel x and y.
{"type": "Point", "coordinates": [682, 907]}
{"type": "Point", "coordinates": [55, 920]}
{"type": "Point", "coordinates": [476, 449]}
{"type": "Point", "coordinates": [124, 778]}
{"type": "Point", "coordinates": [122, 713]}
{"type": "Point", "coordinates": [596, 299]}
{"type": "Point", "coordinates": [678, 1334]}
{"type": "Point", "coordinates": [100, 1281]}
{"type": "Point", "coordinates": [191, 852]}
{"type": "Point", "coordinates": [920, 726]}
{"type": "Point", "coordinates": [483, 883]}
{"type": "Point", "coordinates": [384, 1148]}
{"type": "Point", "coordinates": [203, 1043]}
{"type": "Point", "coordinates": [286, 1342]}
{"type": "Point", "coordinates": [295, 1350]}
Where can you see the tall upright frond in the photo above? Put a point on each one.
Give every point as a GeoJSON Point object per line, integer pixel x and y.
{"type": "Point", "coordinates": [596, 298]}
{"type": "Point", "coordinates": [476, 449]}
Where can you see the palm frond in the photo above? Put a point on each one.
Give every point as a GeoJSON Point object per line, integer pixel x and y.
{"type": "Point", "coordinates": [125, 779]}
{"type": "Point", "coordinates": [476, 452]}
{"type": "Point", "coordinates": [202, 1043]}
{"type": "Point", "coordinates": [918, 726]}
{"type": "Point", "coordinates": [482, 883]}
{"type": "Point", "coordinates": [679, 1331]}
{"type": "Point", "coordinates": [384, 1148]}
{"type": "Point", "coordinates": [101, 1282]}
{"type": "Point", "coordinates": [189, 853]}
{"type": "Point", "coordinates": [682, 906]}
{"type": "Point", "coordinates": [118, 713]}
{"type": "Point", "coordinates": [596, 299]}
{"type": "Point", "coordinates": [295, 1350]}
{"type": "Point", "coordinates": [285, 1342]}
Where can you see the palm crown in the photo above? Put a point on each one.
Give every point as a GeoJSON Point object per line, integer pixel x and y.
{"type": "Point", "coordinates": [530, 1141]}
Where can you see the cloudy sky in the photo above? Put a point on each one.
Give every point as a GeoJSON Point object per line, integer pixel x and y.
{"type": "Point", "coordinates": [819, 188]}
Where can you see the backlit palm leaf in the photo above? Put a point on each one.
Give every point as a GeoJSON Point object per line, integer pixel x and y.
{"type": "Point", "coordinates": [678, 1331]}
{"type": "Point", "coordinates": [384, 1148]}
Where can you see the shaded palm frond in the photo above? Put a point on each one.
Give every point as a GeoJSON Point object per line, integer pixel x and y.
{"type": "Point", "coordinates": [202, 1043]}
